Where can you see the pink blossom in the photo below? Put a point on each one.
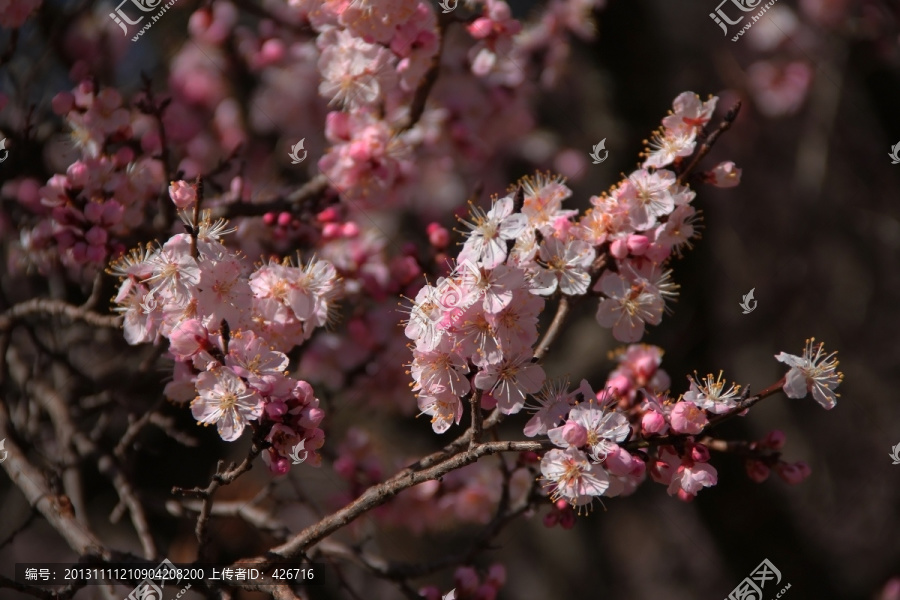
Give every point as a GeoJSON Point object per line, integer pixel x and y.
{"type": "Point", "coordinates": [486, 241]}
{"type": "Point", "coordinates": [510, 380]}
{"type": "Point", "coordinates": [572, 476]}
{"type": "Point", "coordinates": [725, 175]}
{"type": "Point", "coordinates": [691, 477]}
{"type": "Point", "coordinates": [814, 372]}
{"type": "Point", "coordinates": [687, 418]}
{"type": "Point", "coordinates": [627, 307]}
{"type": "Point", "coordinates": [225, 400]}
{"type": "Point", "coordinates": [182, 193]}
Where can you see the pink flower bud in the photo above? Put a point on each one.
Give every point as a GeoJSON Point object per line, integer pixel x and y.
{"type": "Point", "coordinates": [618, 462]}
{"type": "Point", "coordinates": [188, 338]}
{"type": "Point", "coordinates": [337, 126]}
{"type": "Point", "coordinates": [78, 173]}
{"type": "Point", "coordinates": [350, 230]}
{"type": "Point", "coordinates": [96, 236]}
{"type": "Point", "coordinates": [480, 28]}
{"type": "Point", "coordinates": [112, 213]}
{"type": "Point", "coordinates": [284, 219]}
{"type": "Point", "coordinates": [312, 417]}
{"type": "Point", "coordinates": [466, 579]}
{"type": "Point", "coordinates": [278, 464]}
{"type": "Point", "coordinates": [574, 434]}
{"type": "Point", "coordinates": [619, 383]}
{"type": "Point", "coordinates": [619, 248]}
{"type": "Point", "coordinates": [331, 231]}
{"type": "Point", "coordinates": [757, 471]}
{"type": "Point", "coordinates": [62, 103]}
{"type": "Point", "coordinates": [725, 175]}
{"type": "Point", "coordinates": [567, 518]}
{"type": "Point", "coordinates": [551, 519]}
{"type": "Point", "coordinates": [329, 214]}
{"type": "Point", "coordinates": [775, 440]}
{"type": "Point", "coordinates": [637, 244]}
{"type": "Point", "coordinates": [275, 409]}
{"type": "Point", "coordinates": [652, 422]}
{"type": "Point", "coordinates": [182, 193]}
{"type": "Point", "coordinates": [438, 236]}
{"type": "Point", "coordinates": [271, 52]}
{"type": "Point", "coordinates": [496, 575]}
{"type": "Point", "coordinates": [269, 218]}
{"type": "Point", "coordinates": [345, 467]}
{"type": "Point", "coordinates": [793, 473]}
{"type": "Point", "coordinates": [93, 211]}
{"type": "Point", "coordinates": [699, 453]}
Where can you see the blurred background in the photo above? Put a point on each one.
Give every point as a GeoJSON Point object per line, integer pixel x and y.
{"type": "Point", "coordinates": [813, 228]}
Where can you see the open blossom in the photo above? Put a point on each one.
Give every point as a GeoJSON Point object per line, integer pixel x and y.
{"type": "Point", "coordinates": [573, 477]}
{"type": "Point", "coordinates": [691, 477]}
{"type": "Point", "coordinates": [711, 395]}
{"type": "Point", "coordinates": [725, 175]}
{"type": "Point", "coordinates": [690, 113]}
{"type": "Point", "coordinates": [354, 72]}
{"type": "Point", "coordinates": [489, 232]}
{"type": "Point", "coordinates": [565, 265]}
{"type": "Point", "coordinates": [648, 197]}
{"type": "Point", "coordinates": [602, 428]}
{"type": "Point", "coordinates": [627, 307]}
{"type": "Point", "coordinates": [814, 372]}
{"type": "Point", "coordinates": [182, 193]}
{"type": "Point", "coordinates": [542, 206]}
{"type": "Point", "coordinates": [510, 380]}
{"type": "Point", "coordinates": [554, 402]}
{"type": "Point", "coordinates": [443, 406]}
{"type": "Point", "coordinates": [225, 400]}
{"type": "Point", "coordinates": [687, 418]}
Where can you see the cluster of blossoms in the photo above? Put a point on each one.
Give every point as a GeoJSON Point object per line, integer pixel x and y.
{"type": "Point", "coordinates": [86, 212]}
{"type": "Point", "coordinates": [590, 461]}
{"type": "Point", "coordinates": [228, 326]}
{"type": "Point", "coordinates": [473, 331]}
{"type": "Point", "coordinates": [483, 316]}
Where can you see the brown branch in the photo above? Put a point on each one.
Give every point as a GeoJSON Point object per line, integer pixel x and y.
{"type": "Point", "coordinates": [674, 438]}
{"type": "Point", "coordinates": [417, 106]}
{"type": "Point", "coordinates": [477, 426]}
{"type": "Point", "coordinates": [381, 493]}
{"type": "Point", "coordinates": [220, 478]}
{"type": "Point", "coordinates": [562, 311]}
{"type": "Point", "coordinates": [37, 490]}
{"type": "Point", "coordinates": [56, 308]}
